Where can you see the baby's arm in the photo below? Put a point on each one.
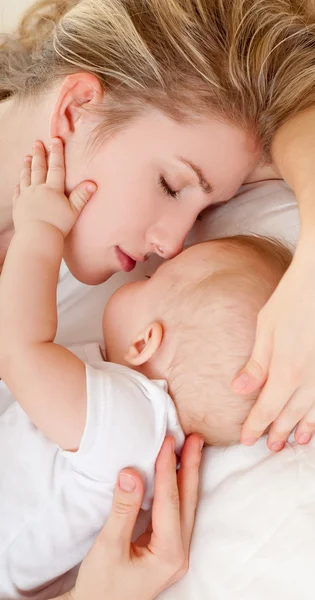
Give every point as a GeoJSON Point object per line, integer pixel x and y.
{"type": "Point", "coordinates": [46, 379]}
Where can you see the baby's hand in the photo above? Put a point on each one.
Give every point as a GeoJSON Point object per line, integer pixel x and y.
{"type": "Point", "coordinates": [40, 195]}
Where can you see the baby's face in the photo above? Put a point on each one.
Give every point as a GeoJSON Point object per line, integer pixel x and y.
{"type": "Point", "coordinates": [134, 306]}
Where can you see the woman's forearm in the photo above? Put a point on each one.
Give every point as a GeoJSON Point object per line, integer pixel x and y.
{"type": "Point", "coordinates": [293, 153]}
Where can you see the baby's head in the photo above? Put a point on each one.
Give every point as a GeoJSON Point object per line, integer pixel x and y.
{"type": "Point", "coordinates": [193, 323]}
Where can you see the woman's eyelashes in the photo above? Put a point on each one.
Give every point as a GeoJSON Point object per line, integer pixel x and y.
{"type": "Point", "coordinates": [166, 188]}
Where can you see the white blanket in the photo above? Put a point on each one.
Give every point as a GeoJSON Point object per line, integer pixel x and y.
{"type": "Point", "coordinates": [255, 531]}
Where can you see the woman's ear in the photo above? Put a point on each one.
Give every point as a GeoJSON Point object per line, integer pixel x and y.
{"type": "Point", "coordinates": [145, 346]}
{"type": "Point", "coordinates": [78, 91]}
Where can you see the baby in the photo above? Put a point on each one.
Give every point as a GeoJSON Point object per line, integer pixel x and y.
{"type": "Point", "coordinates": [193, 324]}
{"type": "Point", "coordinates": [75, 423]}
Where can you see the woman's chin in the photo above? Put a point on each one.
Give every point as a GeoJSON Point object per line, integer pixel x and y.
{"type": "Point", "coordinates": [87, 274]}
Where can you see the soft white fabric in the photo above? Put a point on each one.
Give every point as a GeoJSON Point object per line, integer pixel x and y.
{"type": "Point", "coordinates": [266, 208]}
{"type": "Point", "coordinates": [254, 537]}
{"type": "Point", "coordinates": [54, 503]}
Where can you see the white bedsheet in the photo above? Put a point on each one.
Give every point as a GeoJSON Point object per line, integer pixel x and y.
{"type": "Point", "coordinates": [254, 537]}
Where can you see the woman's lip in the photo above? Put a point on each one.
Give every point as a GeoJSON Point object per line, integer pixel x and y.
{"type": "Point", "coordinates": [127, 263]}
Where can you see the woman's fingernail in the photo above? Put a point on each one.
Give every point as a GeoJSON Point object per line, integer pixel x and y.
{"type": "Point", "coordinates": [91, 187]}
{"type": "Point", "coordinates": [304, 438]}
{"type": "Point", "coordinates": [241, 382]}
{"type": "Point", "coordinates": [249, 441]}
{"type": "Point", "coordinates": [277, 446]}
{"type": "Point", "coordinates": [55, 141]}
{"type": "Point", "coordinates": [202, 443]}
{"type": "Point", "coordinates": [126, 482]}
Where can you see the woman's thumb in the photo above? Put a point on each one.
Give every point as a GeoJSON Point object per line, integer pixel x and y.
{"type": "Point", "coordinates": [128, 496]}
{"type": "Point", "coordinates": [255, 373]}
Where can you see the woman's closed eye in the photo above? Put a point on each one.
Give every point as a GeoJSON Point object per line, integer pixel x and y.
{"type": "Point", "coordinates": [166, 188]}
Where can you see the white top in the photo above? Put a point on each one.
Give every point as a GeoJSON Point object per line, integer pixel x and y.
{"type": "Point", "coordinates": [54, 503]}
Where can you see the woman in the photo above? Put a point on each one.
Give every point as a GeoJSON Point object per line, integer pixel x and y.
{"type": "Point", "coordinates": [169, 108]}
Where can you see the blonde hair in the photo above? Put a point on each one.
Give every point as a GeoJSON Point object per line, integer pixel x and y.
{"type": "Point", "coordinates": [213, 323]}
{"type": "Point", "coordinates": [252, 62]}
{"type": "Point", "coordinates": [260, 56]}
{"type": "Point", "coordinates": [124, 43]}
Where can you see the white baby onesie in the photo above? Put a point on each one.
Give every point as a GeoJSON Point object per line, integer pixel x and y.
{"type": "Point", "coordinates": [53, 503]}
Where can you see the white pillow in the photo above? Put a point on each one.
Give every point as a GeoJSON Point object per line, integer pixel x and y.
{"type": "Point", "coordinates": [254, 537]}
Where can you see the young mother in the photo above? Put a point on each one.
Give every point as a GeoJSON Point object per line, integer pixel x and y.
{"type": "Point", "coordinates": [169, 107]}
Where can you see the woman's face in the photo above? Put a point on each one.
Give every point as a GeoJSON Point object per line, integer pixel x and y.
{"type": "Point", "coordinates": [154, 177]}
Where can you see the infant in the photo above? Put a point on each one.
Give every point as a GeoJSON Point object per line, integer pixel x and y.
{"type": "Point", "coordinates": [173, 344]}
{"type": "Point", "coordinates": [193, 324]}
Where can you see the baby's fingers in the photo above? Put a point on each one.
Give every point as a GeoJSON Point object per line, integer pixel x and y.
{"type": "Point", "coordinates": [81, 195]}
{"type": "Point", "coordinates": [25, 175]}
{"type": "Point", "coordinates": [39, 164]}
{"type": "Point", "coordinates": [56, 166]}
{"type": "Point", "coordinates": [16, 194]}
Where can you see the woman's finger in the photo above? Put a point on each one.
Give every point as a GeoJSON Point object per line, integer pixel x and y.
{"type": "Point", "coordinates": [267, 408]}
{"type": "Point", "coordinates": [25, 175]}
{"type": "Point", "coordinates": [188, 483]}
{"type": "Point", "coordinates": [39, 164]}
{"type": "Point", "coordinates": [253, 376]}
{"type": "Point", "coordinates": [306, 427]}
{"type": "Point", "coordinates": [118, 530]}
{"type": "Point", "coordinates": [166, 536]}
{"type": "Point", "coordinates": [56, 165]}
{"type": "Point", "coordinates": [298, 406]}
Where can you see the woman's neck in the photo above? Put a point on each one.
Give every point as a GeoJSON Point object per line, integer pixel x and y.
{"type": "Point", "coordinates": [20, 125]}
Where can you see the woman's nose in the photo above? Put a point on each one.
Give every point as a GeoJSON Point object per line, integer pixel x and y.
{"type": "Point", "coordinates": [167, 246]}
{"type": "Point", "coordinates": [166, 237]}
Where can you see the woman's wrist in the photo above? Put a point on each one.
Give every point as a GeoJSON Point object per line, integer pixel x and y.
{"type": "Point", "coordinates": [305, 249]}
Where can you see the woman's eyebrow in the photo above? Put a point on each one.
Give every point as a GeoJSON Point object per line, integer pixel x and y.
{"type": "Point", "coordinates": [203, 182]}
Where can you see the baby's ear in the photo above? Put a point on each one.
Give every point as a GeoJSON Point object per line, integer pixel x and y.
{"type": "Point", "coordinates": [145, 346]}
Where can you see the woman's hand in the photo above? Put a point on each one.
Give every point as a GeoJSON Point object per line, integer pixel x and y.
{"type": "Point", "coordinates": [117, 569]}
{"type": "Point", "coordinates": [283, 358]}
